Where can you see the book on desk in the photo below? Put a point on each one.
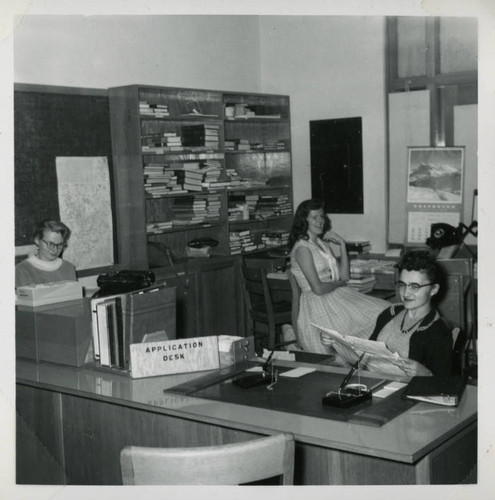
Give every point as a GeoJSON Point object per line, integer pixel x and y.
{"type": "Point", "coordinates": [445, 391]}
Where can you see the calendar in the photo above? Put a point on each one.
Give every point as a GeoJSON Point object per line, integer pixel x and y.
{"type": "Point", "coordinates": [419, 224]}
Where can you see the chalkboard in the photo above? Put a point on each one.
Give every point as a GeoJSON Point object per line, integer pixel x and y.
{"type": "Point", "coordinates": [48, 124]}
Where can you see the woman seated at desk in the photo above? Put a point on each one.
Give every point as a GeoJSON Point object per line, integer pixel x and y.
{"type": "Point", "coordinates": [325, 299]}
{"type": "Point", "coordinates": [45, 265]}
{"type": "Point", "coordinates": [414, 329]}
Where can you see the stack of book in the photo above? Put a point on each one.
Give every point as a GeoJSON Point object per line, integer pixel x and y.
{"type": "Point", "coordinates": [358, 246]}
{"type": "Point", "coordinates": [160, 179]}
{"type": "Point", "coordinates": [273, 206]}
{"type": "Point", "coordinates": [213, 170]}
{"type": "Point", "coordinates": [160, 143]}
{"type": "Point", "coordinates": [382, 270]}
{"type": "Point", "coordinates": [241, 241]}
{"type": "Point", "coordinates": [149, 109]}
{"type": "Point", "coordinates": [362, 283]}
{"type": "Point", "coordinates": [213, 205]}
{"type": "Point", "coordinates": [201, 135]}
{"type": "Point", "coordinates": [275, 238]}
{"type": "Point", "coordinates": [189, 176]}
{"type": "Point", "coordinates": [130, 318]}
{"type": "Point", "coordinates": [188, 210]}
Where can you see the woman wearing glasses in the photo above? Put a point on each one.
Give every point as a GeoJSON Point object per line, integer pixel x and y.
{"type": "Point", "coordinates": [45, 265]}
{"type": "Point", "coordinates": [414, 329]}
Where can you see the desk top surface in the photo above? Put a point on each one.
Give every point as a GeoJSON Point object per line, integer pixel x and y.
{"type": "Point", "coordinates": [407, 438]}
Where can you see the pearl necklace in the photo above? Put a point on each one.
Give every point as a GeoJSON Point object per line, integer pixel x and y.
{"type": "Point", "coordinates": [407, 330]}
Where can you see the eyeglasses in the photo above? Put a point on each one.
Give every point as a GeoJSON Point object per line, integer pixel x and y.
{"type": "Point", "coordinates": [414, 287]}
{"type": "Point", "coordinates": [54, 246]}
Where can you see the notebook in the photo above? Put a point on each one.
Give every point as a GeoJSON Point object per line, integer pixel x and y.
{"type": "Point", "coordinates": [446, 391]}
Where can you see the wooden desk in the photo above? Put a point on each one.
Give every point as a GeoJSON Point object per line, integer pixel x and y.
{"type": "Point", "coordinates": [72, 424]}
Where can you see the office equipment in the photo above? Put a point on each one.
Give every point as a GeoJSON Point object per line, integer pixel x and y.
{"type": "Point", "coordinates": [235, 463]}
{"type": "Point", "coordinates": [347, 395]}
{"type": "Point", "coordinates": [441, 391]}
{"type": "Point", "coordinates": [43, 294]}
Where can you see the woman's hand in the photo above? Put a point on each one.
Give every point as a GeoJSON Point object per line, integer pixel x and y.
{"type": "Point", "coordinates": [412, 368]}
{"type": "Point", "coordinates": [333, 237]}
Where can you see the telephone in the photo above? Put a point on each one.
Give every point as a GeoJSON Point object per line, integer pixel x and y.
{"type": "Point", "coordinates": [123, 281]}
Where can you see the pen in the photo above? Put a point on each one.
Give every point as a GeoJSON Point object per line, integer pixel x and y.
{"type": "Point", "coordinates": [355, 366]}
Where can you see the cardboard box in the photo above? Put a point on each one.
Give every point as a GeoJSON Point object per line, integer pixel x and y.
{"type": "Point", "coordinates": [48, 293]}
{"type": "Point", "coordinates": [58, 333]}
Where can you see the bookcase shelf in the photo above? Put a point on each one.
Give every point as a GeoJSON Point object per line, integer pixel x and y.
{"type": "Point", "coordinates": [205, 124]}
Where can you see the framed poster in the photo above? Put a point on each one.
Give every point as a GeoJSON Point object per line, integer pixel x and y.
{"type": "Point", "coordinates": [435, 179]}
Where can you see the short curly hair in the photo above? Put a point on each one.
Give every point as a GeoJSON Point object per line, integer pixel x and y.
{"type": "Point", "coordinates": [423, 261]}
{"type": "Point", "coordinates": [51, 225]}
{"type": "Point", "coordinates": [300, 224]}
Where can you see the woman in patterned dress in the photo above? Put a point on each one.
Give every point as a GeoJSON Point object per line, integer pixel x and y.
{"type": "Point", "coordinates": [325, 299]}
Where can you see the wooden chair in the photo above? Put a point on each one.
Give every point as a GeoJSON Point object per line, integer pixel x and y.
{"type": "Point", "coordinates": [264, 314]}
{"type": "Point", "coordinates": [229, 464]}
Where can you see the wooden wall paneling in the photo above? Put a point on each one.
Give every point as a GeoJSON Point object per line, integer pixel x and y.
{"type": "Point", "coordinates": [95, 432]}
{"type": "Point", "coordinates": [39, 438]}
{"type": "Point", "coordinates": [220, 298]}
{"type": "Point", "coordinates": [452, 460]}
{"type": "Point", "coordinates": [333, 467]}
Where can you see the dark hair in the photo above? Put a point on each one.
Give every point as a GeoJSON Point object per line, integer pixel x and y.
{"type": "Point", "coordinates": [423, 261]}
{"type": "Point", "coordinates": [300, 223]}
{"type": "Point", "coordinates": [51, 225]}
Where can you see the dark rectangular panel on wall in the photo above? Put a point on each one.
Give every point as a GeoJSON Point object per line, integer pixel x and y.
{"type": "Point", "coordinates": [46, 125]}
{"type": "Point", "coordinates": [337, 164]}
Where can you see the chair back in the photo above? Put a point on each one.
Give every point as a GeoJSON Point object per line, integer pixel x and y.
{"type": "Point", "coordinates": [257, 293]}
{"type": "Point", "coordinates": [457, 306]}
{"type": "Point", "coordinates": [457, 299]}
{"type": "Point", "coordinates": [296, 294]}
{"type": "Point", "coordinates": [229, 464]}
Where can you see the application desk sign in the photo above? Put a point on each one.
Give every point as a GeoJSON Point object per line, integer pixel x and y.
{"type": "Point", "coordinates": [174, 356]}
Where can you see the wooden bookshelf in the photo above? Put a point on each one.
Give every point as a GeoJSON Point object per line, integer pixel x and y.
{"type": "Point", "coordinates": [244, 139]}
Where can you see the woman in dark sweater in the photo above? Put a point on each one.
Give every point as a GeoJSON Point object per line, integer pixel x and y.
{"type": "Point", "coordinates": [414, 329]}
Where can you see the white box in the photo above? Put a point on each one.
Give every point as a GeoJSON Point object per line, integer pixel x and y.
{"type": "Point", "coordinates": [48, 293]}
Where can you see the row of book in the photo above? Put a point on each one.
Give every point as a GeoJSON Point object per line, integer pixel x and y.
{"type": "Point", "coordinates": [275, 238]}
{"type": "Point", "coordinates": [196, 210]}
{"type": "Point", "coordinates": [243, 110]}
{"type": "Point", "coordinates": [153, 109]}
{"type": "Point", "coordinates": [202, 136]}
{"type": "Point", "coordinates": [254, 206]}
{"type": "Point", "coordinates": [128, 318]}
{"type": "Point", "coordinates": [243, 241]}
{"type": "Point", "coordinates": [161, 178]}
{"type": "Point", "coordinates": [247, 145]}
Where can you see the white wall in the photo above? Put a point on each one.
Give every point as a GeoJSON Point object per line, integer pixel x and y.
{"type": "Point", "coordinates": [332, 67]}
{"type": "Point", "coordinates": [217, 52]}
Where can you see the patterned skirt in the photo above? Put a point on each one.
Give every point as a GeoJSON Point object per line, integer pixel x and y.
{"type": "Point", "coordinates": [345, 310]}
